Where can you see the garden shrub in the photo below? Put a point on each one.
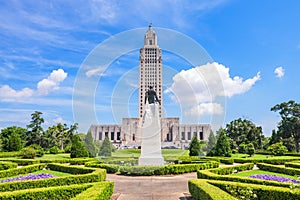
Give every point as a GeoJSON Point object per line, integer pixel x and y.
{"type": "Point", "coordinates": [274, 161]}
{"type": "Point", "coordinates": [201, 190]}
{"type": "Point", "coordinates": [261, 191]}
{"type": "Point", "coordinates": [139, 170]}
{"type": "Point", "coordinates": [39, 150]}
{"type": "Point", "coordinates": [54, 150]}
{"type": "Point", "coordinates": [99, 190]}
{"type": "Point", "coordinates": [78, 150]}
{"type": "Point", "coordinates": [28, 152]}
{"type": "Point", "coordinates": [22, 161]}
{"type": "Point", "coordinates": [110, 168]}
{"type": "Point", "coordinates": [232, 169]}
{"type": "Point", "coordinates": [22, 170]}
{"type": "Point", "coordinates": [279, 169]}
{"type": "Point", "coordinates": [277, 149]}
{"type": "Point", "coordinates": [7, 165]}
{"type": "Point", "coordinates": [292, 164]}
{"type": "Point", "coordinates": [80, 161]}
{"type": "Point", "coordinates": [9, 154]}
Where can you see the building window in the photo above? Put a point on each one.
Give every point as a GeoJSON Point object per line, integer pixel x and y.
{"type": "Point", "coordinates": [118, 135]}
{"type": "Point", "coordinates": [133, 137]}
{"type": "Point", "coordinates": [100, 135]}
{"type": "Point", "coordinates": [195, 134]}
{"type": "Point", "coordinates": [189, 135]}
{"type": "Point", "coordinates": [106, 134]}
{"type": "Point", "coordinates": [201, 135]}
{"type": "Point", "coordinates": [112, 136]}
{"type": "Point", "coordinates": [182, 135]}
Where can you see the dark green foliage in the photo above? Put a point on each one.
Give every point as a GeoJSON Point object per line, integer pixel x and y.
{"type": "Point", "coordinates": [105, 149]}
{"type": "Point", "coordinates": [90, 145]}
{"type": "Point", "coordinates": [22, 170]}
{"type": "Point", "coordinates": [292, 164]}
{"type": "Point", "coordinates": [78, 150]}
{"type": "Point", "coordinates": [7, 132]}
{"type": "Point", "coordinates": [289, 126]}
{"type": "Point", "coordinates": [277, 149]}
{"type": "Point", "coordinates": [222, 147]}
{"type": "Point", "coordinates": [14, 142]}
{"type": "Point", "coordinates": [232, 169]}
{"type": "Point", "coordinates": [39, 150]}
{"type": "Point", "coordinates": [242, 148]}
{"type": "Point", "coordinates": [250, 149]}
{"type": "Point", "coordinates": [194, 148]}
{"type": "Point", "coordinates": [279, 169]}
{"type": "Point", "coordinates": [35, 130]}
{"type": "Point", "coordinates": [7, 165]}
{"type": "Point", "coordinates": [54, 150]}
{"type": "Point", "coordinates": [201, 190]}
{"type": "Point", "coordinates": [277, 161]}
{"type": "Point", "coordinates": [244, 131]}
{"type": "Point", "coordinates": [211, 141]}
{"type": "Point", "coordinates": [28, 152]}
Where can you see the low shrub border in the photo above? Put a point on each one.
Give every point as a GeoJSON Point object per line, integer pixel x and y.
{"type": "Point", "coordinates": [261, 191]}
{"type": "Point", "coordinates": [22, 170]}
{"type": "Point", "coordinates": [201, 190]}
{"type": "Point", "coordinates": [86, 175]}
{"type": "Point", "coordinates": [154, 170]}
{"type": "Point", "coordinates": [100, 190]}
{"type": "Point", "coordinates": [292, 164]}
{"type": "Point", "coordinates": [9, 154]}
{"type": "Point", "coordinates": [279, 169]}
{"type": "Point", "coordinates": [232, 169]}
{"type": "Point", "coordinates": [7, 165]}
{"type": "Point", "coordinates": [279, 161]}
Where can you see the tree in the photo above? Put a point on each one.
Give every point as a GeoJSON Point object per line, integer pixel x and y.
{"type": "Point", "coordinates": [243, 130]}
{"type": "Point", "coordinates": [211, 141]}
{"type": "Point", "coordinates": [78, 150]}
{"type": "Point", "coordinates": [194, 147]}
{"type": "Point", "coordinates": [8, 131]}
{"type": "Point", "coordinates": [105, 149]}
{"type": "Point", "coordinates": [277, 149]}
{"type": "Point", "coordinates": [90, 145]}
{"type": "Point", "coordinates": [14, 142]}
{"type": "Point", "coordinates": [250, 149]}
{"type": "Point", "coordinates": [289, 126]}
{"type": "Point", "coordinates": [222, 147]}
{"type": "Point", "coordinates": [35, 132]}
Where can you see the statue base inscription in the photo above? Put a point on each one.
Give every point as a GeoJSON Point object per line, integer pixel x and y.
{"type": "Point", "coordinates": [151, 137]}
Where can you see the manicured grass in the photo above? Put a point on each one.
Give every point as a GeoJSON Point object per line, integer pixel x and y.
{"type": "Point", "coordinates": [257, 171]}
{"type": "Point", "coordinates": [260, 156]}
{"type": "Point", "coordinates": [54, 156]}
{"type": "Point", "coordinates": [135, 153]}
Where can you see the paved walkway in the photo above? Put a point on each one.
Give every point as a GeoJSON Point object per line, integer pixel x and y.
{"type": "Point", "coordinates": [169, 187]}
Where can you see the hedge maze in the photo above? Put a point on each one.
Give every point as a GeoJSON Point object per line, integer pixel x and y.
{"type": "Point", "coordinates": [84, 183]}
{"type": "Point", "coordinates": [216, 183]}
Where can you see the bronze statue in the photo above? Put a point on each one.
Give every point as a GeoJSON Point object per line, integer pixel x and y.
{"type": "Point", "coordinates": [151, 96]}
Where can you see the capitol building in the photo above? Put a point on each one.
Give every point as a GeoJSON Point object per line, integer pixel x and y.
{"type": "Point", "coordinates": [173, 134]}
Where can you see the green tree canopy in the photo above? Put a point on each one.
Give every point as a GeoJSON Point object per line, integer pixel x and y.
{"type": "Point", "coordinates": [78, 150]}
{"type": "Point", "coordinates": [14, 142]}
{"type": "Point", "coordinates": [222, 147]}
{"type": "Point", "coordinates": [289, 126]}
{"type": "Point", "coordinates": [105, 149]}
{"type": "Point", "coordinates": [244, 131]}
{"type": "Point", "coordinates": [35, 129]}
{"type": "Point", "coordinates": [90, 145]}
{"type": "Point", "coordinates": [211, 141]}
{"type": "Point", "coordinates": [8, 131]}
{"type": "Point", "coordinates": [194, 148]}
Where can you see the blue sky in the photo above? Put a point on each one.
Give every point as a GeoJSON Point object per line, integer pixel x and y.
{"type": "Point", "coordinates": [44, 44]}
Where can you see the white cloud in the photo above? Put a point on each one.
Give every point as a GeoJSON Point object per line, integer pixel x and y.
{"type": "Point", "coordinates": [95, 72]}
{"type": "Point", "coordinates": [7, 93]}
{"type": "Point", "coordinates": [52, 82]}
{"type": "Point", "coordinates": [206, 109]}
{"type": "Point", "coordinates": [279, 71]}
{"type": "Point", "coordinates": [197, 88]}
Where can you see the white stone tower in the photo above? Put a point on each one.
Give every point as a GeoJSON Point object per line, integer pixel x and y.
{"type": "Point", "coordinates": [150, 70]}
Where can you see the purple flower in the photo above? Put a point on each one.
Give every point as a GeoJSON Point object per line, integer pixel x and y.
{"type": "Point", "coordinates": [273, 178]}
{"type": "Point", "coordinates": [29, 177]}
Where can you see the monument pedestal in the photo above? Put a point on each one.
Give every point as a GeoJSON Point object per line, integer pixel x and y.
{"type": "Point", "coordinates": [151, 137]}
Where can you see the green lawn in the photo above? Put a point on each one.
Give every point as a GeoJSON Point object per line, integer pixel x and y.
{"type": "Point", "coordinates": [257, 171]}
{"type": "Point", "coordinates": [135, 153]}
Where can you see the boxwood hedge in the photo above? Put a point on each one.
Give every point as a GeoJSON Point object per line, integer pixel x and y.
{"type": "Point", "coordinates": [279, 169]}
{"type": "Point", "coordinates": [7, 165]}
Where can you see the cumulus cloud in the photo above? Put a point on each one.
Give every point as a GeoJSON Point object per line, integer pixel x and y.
{"type": "Point", "coordinates": [43, 87]}
{"type": "Point", "coordinates": [279, 71]}
{"type": "Point", "coordinates": [52, 82]}
{"type": "Point", "coordinates": [202, 84]}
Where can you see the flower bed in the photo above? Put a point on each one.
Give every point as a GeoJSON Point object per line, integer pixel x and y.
{"type": "Point", "coordinates": [273, 178]}
{"type": "Point", "coordinates": [29, 177]}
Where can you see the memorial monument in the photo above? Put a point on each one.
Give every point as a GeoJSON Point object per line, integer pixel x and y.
{"type": "Point", "coordinates": [151, 131]}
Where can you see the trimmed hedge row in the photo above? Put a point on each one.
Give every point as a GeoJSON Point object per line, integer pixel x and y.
{"type": "Point", "coordinates": [201, 190]}
{"type": "Point", "coordinates": [99, 191]}
{"type": "Point", "coordinates": [22, 170]}
{"type": "Point", "coordinates": [292, 164]}
{"type": "Point", "coordinates": [75, 161]}
{"type": "Point", "coordinates": [232, 169]}
{"type": "Point", "coordinates": [154, 170]}
{"type": "Point", "coordinates": [279, 161]}
{"type": "Point", "coordinates": [279, 169]}
{"type": "Point", "coordinates": [9, 154]}
{"type": "Point", "coordinates": [7, 165]}
{"type": "Point", "coordinates": [86, 175]}
{"type": "Point", "coordinates": [206, 174]}
{"type": "Point", "coordinates": [62, 192]}
{"type": "Point", "coordinates": [260, 191]}
{"type": "Point", "coordinates": [22, 161]}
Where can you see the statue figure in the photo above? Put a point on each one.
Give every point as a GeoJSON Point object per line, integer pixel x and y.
{"type": "Point", "coordinates": [151, 96]}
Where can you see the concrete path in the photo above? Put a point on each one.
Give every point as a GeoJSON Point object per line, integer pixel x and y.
{"type": "Point", "coordinates": [169, 187]}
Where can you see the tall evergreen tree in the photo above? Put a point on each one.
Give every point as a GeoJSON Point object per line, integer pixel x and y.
{"type": "Point", "coordinates": [211, 141]}
{"type": "Point", "coordinates": [194, 148]}
{"type": "Point", "coordinates": [78, 149]}
{"type": "Point", "coordinates": [35, 132]}
{"type": "Point", "coordinates": [90, 145]}
{"type": "Point", "coordinates": [105, 149]}
{"type": "Point", "coordinates": [222, 147]}
{"type": "Point", "coordinates": [14, 142]}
